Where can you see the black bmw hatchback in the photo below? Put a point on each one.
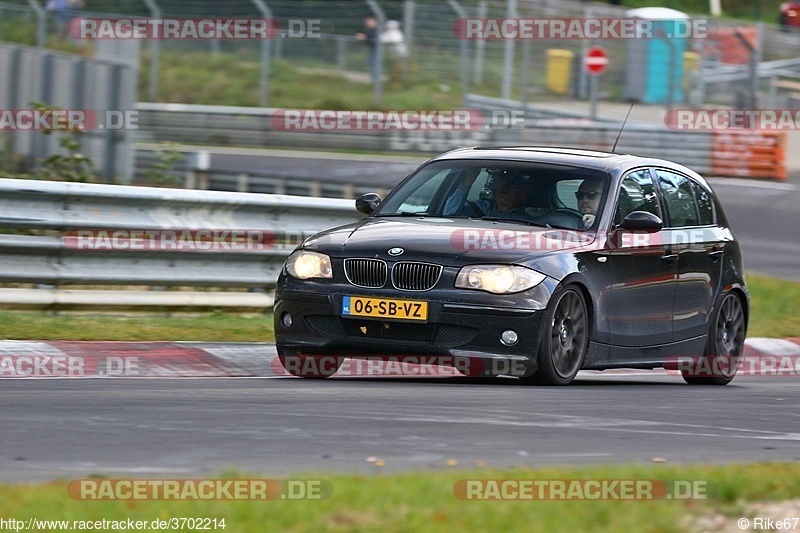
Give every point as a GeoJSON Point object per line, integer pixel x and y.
{"type": "Point", "coordinates": [521, 261]}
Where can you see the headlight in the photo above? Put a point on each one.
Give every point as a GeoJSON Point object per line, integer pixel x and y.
{"type": "Point", "coordinates": [498, 279]}
{"type": "Point", "coordinates": [304, 265]}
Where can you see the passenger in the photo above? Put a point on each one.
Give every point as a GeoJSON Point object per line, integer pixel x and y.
{"type": "Point", "coordinates": [509, 190]}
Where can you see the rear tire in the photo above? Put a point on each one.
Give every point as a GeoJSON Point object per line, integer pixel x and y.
{"type": "Point", "coordinates": [308, 366]}
{"type": "Point", "coordinates": [725, 342]}
{"type": "Point", "coordinates": [565, 339]}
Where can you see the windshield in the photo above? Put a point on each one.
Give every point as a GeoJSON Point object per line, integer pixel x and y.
{"type": "Point", "coordinates": [557, 196]}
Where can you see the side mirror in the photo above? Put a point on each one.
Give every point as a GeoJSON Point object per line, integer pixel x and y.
{"type": "Point", "coordinates": [642, 221]}
{"type": "Point", "coordinates": [368, 203]}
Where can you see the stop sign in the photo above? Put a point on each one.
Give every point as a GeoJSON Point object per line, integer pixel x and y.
{"type": "Point", "coordinates": [596, 60]}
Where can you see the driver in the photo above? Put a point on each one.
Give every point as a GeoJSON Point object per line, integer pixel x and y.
{"type": "Point", "coordinates": [588, 196]}
{"type": "Point", "coordinates": [509, 190]}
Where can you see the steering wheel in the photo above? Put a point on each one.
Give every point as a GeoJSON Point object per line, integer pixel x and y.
{"type": "Point", "coordinates": [563, 216]}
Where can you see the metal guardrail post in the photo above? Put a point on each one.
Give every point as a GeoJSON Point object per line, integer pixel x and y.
{"type": "Point", "coordinates": [266, 49]}
{"type": "Point", "coordinates": [508, 60]}
{"type": "Point", "coordinates": [377, 69]}
{"type": "Point", "coordinates": [155, 11]}
{"type": "Point", "coordinates": [464, 48]}
{"type": "Point", "coordinates": [41, 23]}
{"type": "Point", "coordinates": [197, 176]}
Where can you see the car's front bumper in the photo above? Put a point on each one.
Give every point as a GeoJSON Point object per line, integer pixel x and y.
{"type": "Point", "coordinates": [464, 329]}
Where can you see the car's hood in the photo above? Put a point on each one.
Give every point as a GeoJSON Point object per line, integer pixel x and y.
{"type": "Point", "coordinates": [447, 241]}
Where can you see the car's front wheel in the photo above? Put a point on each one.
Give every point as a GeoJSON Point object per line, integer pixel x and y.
{"type": "Point", "coordinates": [308, 366]}
{"type": "Point", "coordinates": [725, 343]}
{"type": "Point", "coordinates": [564, 340]}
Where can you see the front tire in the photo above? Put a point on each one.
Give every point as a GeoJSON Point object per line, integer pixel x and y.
{"type": "Point", "coordinates": [564, 340]}
{"type": "Point", "coordinates": [725, 342]}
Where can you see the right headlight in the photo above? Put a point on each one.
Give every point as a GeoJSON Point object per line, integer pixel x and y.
{"type": "Point", "coordinates": [498, 279]}
{"type": "Point", "coordinates": [304, 264]}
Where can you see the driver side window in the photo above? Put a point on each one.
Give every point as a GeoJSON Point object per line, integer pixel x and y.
{"type": "Point", "coordinates": [637, 193]}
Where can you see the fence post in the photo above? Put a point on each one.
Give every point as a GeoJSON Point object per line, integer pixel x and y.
{"type": "Point", "coordinates": [671, 74]}
{"type": "Point", "coordinates": [464, 47]}
{"type": "Point", "coordinates": [480, 45]}
{"type": "Point", "coordinates": [340, 61]}
{"type": "Point", "coordinates": [155, 11]}
{"type": "Point", "coordinates": [265, 55]}
{"type": "Point", "coordinates": [377, 69]}
{"type": "Point", "coordinates": [408, 23]}
{"type": "Point", "coordinates": [525, 75]}
{"type": "Point", "coordinates": [752, 89]}
{"type": "Point", "coordinates": [583, 76]}
{"type": "Point", "coordinates": [41, 23]}
{"type": "Point", "coordinates": [508, 63]}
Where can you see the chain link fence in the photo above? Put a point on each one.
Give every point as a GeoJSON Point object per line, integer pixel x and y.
{"type": "Point", "coordinates": [739, 64]}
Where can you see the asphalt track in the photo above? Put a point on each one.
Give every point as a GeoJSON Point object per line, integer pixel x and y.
{"type": "Point", "coordinates": [764, 214]}
{"type": "Point", "coordinates": [68, 428]}
{"type": "Point", "coordinates": [139, 427]}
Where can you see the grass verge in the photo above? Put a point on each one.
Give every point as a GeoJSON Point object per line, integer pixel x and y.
{"type": "Point", "coordinates": [425, 501]}
{"type": "Point", "coordinates": [774, 307]}
{"type": "Point", "coordinates": [212, 327]}
{"type": "Point", "coordinates": [775, 312]}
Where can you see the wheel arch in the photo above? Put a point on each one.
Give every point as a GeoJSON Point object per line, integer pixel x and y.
{"type": "Point", "coordinates": [575, 280]}
{"type": "Point", "coordinates": [743, 299]}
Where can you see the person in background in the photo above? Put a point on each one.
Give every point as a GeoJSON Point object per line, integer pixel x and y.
{"type": "Point", "coordinates": [63, 10]}
{"type": "Point", "coordinates": [369, 36]}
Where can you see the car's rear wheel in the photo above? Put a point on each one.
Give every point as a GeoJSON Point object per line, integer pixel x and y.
{"type": "Point", "coordinates": [564, 340]}
{"type": "Point", "coordinates": [725, 343]}
{"type": "Point", "coordinates": [308, 366]}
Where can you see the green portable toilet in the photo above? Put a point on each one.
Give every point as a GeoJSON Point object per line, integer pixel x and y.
{"type": "Point", "coordinates": [655, 64]}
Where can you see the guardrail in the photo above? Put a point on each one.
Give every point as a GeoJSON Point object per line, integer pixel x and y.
{"type": "Point", "coordinates": [704, 151]}
{"type": "Point", "coordinates": [54, 260]}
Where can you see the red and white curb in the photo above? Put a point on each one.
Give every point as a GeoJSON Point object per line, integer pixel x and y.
{"type": "Point", "coordinates": [90, 359]}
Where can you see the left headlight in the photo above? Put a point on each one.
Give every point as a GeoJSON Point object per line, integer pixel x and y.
{"type": "Point", "coordinates": [305, 265]}
{"type": "Point", "coordinates": [498, 279]}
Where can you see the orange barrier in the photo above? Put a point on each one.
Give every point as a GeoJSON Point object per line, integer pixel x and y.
{"type": "Point", "coordinates": [727, 48]}
{"type": "Point", "coordinates": [751, 154]}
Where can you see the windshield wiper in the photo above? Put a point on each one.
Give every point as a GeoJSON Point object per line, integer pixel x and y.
{"type": "Point", "coordinates": [405, 214]}
{"type": "Point", "coordinates": [517, 221]}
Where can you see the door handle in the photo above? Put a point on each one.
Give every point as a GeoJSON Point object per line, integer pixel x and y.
{"type": "Point", "coordinates": [669, 257]}
{"type": "Point", "coordinates": [716, 253]}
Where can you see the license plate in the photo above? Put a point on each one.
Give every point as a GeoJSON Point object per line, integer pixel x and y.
{"type": "Point", "coordinates": [385, 308]}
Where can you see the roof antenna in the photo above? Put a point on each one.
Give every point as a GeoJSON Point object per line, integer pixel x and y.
{"type": "Point", "coordinates": [614, 149]}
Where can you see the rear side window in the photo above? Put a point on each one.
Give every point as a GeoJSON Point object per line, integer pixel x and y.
{"type": "Point", "coordinates": [705, 204]}
{"type": "Point", "coordinates": [679, 197]}
{"type": "Point", "coordinates": [637, 193]}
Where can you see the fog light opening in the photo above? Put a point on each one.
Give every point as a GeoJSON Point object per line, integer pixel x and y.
{"type": "Point", "coordinates": [509, 337]}
{"type": "Point", "coordinates": [286, 320]}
